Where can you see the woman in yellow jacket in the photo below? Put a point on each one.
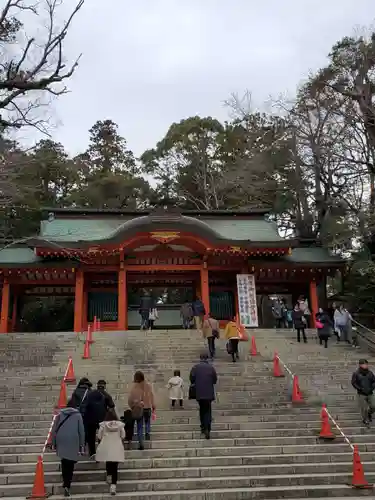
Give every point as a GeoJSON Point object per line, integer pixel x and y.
{"type": "Point", "coordinates": [231, 334]}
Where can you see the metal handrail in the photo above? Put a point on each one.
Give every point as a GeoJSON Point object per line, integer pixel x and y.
{"type": "Point", "coordinates": [363, 326]}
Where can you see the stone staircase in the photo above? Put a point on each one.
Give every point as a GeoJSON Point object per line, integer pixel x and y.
{"type": "Point", "coordinates": [261, 446]}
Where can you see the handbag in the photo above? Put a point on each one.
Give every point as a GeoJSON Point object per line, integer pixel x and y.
{"type": "Point", "coordinates": [215, 332]}
{"type": "Point", "coordinates": [138, 408]}
{"type": "Point", "coordinates": [137, 411]}
{"type": "Point", "coordinates": [192, 392]}
{"type": "Point", "coordinates": [153, 314]}
{"type": "Point", "coordinates": [319, 324]}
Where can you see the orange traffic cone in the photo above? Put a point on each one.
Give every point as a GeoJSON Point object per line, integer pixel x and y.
{"type": "Point", "coordinates": [39, 488]}
{"type": "Point", "coordinates": [276, 366]}
{"type": "Point", "coordinates": [359, 480]}
{"type": "Point", "coordinates": [89, 335]}
{"type": "Point", "coordinates": [95, 324]}
{"type": "Point", "coordinates": [61, 403]}
{"type": "Point", "coordinates": [296, 394]}
{"type": "Point", "coordinates": [325, 432]}
{"type": "Point", "coordinates": [86, 350]}
{"type": "Point", "coordinates": [98, 325]}
{"type": "Point", "coordinates": [241, 330]}
{"type": "Point", "coordinates": [70, 378]}
{"type": "Point", "coordinates": [253, 348]}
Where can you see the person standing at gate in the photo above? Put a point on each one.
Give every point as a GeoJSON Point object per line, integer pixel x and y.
{"type": "Point", "coordinates": [203, 379]}
{"type": "Point", "coordinates": [68, 439]}
{"type": "Point", "coordinates": [146, 305]}
{"type": "Point", "coordinates": [199, 312]}
{"type": "Point", "coordinates": [363, 381]}
{"type": "Point", "coordinates": [300, 322]}
{"type": "Point", "coordinates": [277, 313]}
{"type": "Point", "coordinates": [186, 314]}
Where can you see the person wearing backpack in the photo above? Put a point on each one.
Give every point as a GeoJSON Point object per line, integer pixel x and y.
{"type": "Point", "coordinates": [68, 439]}
{"type": "Point", "coordinates": [98, 403]}
{"type": "Point", "coordinates": [79, 396]}
{"type": "Point", "coordinates": [142, 404]}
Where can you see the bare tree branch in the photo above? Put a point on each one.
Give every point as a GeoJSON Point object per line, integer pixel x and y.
{"type": "Point", "coordinates": [40, 67]}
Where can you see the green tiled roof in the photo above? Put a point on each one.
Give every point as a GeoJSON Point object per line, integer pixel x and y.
{"type": "Point", "coordinates": [245, 229]}
{"type": "Point", "coordinates": [315, 255]}
{"type": "Point", "coordinates": [23, 255]}
{"type": "Point", "coordinates": [86, 229]}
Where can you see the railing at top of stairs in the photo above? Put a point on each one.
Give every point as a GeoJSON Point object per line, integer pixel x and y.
{"type": "Point", "coordinates": [366, 334]}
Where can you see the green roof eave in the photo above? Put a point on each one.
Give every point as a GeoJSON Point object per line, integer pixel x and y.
{"type": "Point", "coordinates": [80, 244]}
{"type": "Point", "coordinates": [18, 255]}
{"type": "Point", "coordinates": [25, 257]}
{"type": "Point", "coordinates": [315, 256]}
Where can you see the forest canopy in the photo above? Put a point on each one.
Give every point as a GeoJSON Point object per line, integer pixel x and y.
{"type": "Point", "coordinates": [311, 161]}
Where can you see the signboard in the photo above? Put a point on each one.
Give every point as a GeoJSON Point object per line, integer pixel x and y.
{"type": "Point", "coordinates": [247, 300]}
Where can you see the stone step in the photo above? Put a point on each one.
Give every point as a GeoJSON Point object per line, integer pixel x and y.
{"type": "Point", "coordinates": [147, 474]}
{"type": "Point", "coordinates": [352, 426]}
{"type": "Point", "coordinates": [208, 449]}
{"type": "Point", "coordinates": [202, 461]}
{"type": "Point", "coordinates": [218, 416]}
{"type": "Point", "coordinates": [317, 492]}
{"type": "Point", "coordinates": [220, 408]}
{"type": "Point", "coordinates": [199, 483]}
{"type": "Point", "coordinates": [255, 452]}
{"type": "Point", "coordinates": [33, 447]}
{"type": "Point", "coordinates": [222, 435]}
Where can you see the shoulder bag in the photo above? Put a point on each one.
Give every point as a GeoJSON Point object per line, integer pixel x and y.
{"type": "Point", "coordinates": [192, 392]}
{"type": "Point", "coordinates": [215, 331]}
{"type": "Point", "coordinates": [62, 423]}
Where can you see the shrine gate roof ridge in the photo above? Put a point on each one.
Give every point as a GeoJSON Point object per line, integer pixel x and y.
{"type": "Point", "coordinates": [226, 229]}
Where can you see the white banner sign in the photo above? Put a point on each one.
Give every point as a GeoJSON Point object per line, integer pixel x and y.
{"type": "Point", "coordinates": [247, 300]}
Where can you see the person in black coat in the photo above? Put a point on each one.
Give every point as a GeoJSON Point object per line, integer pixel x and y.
{"type": "Point", "coordinates": [203, 378]}
{"type": "Point", "coordinates": [324, 326]}
{"type": "Point", "coordinates": [299, 322]}
{"type": "Point", "coordinates": [98, 403]}
{"type": "Point", "coordinates": [146, 304]}
{"type": "Point", "coordinates": [80, 394]}
{"type": "Point", "coordinates": [363, 381]}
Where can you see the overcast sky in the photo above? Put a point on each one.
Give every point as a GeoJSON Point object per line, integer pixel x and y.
{"type": "Point", "coordinates": [148, 63]}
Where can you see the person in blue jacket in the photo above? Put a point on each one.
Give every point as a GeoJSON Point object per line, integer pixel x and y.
{"type": "Point", "coordinates": [199, 312]}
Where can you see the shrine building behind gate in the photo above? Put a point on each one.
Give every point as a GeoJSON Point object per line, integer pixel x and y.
{"type": "Point", "coordinates": [107, 259]}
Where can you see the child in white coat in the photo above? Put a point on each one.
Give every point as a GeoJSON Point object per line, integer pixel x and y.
{"type": "Point", "coordinates": [175, 387]}
{"type": "Point", "coordinates": [110, 450]}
